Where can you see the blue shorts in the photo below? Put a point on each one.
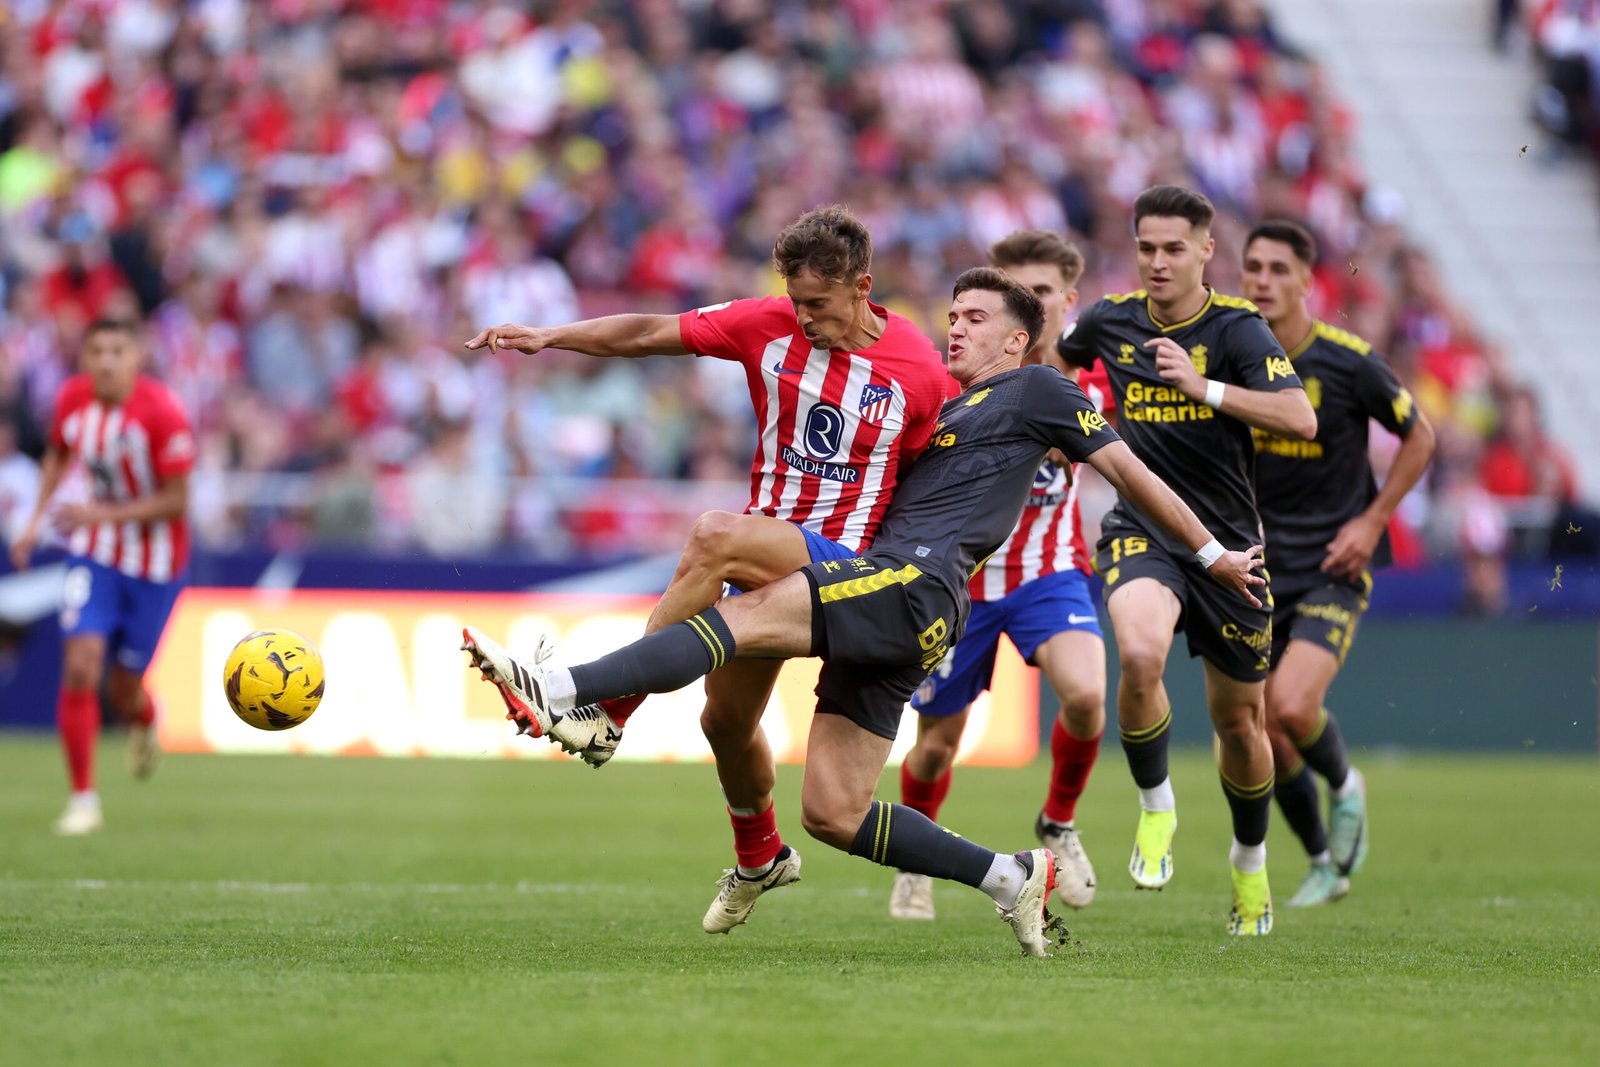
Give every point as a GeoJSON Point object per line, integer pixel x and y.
{"type": "Point", "coordinates": [129, 613]}
{"type": "Point", "coordinates": [818, 546]}
{"type": "Point", "coordinates": [1030, 616]}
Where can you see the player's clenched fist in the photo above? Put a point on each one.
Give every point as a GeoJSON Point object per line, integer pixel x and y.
{"type": "Point", "coordinates": [1175, 366]}
{"type": "Point", "coordinates": [527, 339]}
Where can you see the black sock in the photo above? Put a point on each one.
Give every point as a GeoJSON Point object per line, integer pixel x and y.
{"type": "Point", "coordinates": [1252, 807]}
{"type": "Point", "coordinates": [1147, 752]}
{"type": "Point", "coordinates": [904, 838]}
{"type": "Point", "coordinates": [1301, 804]}
{"type": "Point", "coordinates": [1324, 749]}
{"type": "Point", "coordinates": [661, 662]}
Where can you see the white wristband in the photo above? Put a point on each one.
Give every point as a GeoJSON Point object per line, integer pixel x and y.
{"type": "Point", "coordinates": [1209, 553]}
{"type": "Point", "coordinates": [1214, 391]}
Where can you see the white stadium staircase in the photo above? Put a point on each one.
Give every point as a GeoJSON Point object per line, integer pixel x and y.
{"type": "Point", "coordinates": [1445, 121]}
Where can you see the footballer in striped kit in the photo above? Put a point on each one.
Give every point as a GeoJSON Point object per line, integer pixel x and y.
{"type": "Point", "coordinates": [846, 393]}
{"type": "Point", "coordinates": [128, 548]}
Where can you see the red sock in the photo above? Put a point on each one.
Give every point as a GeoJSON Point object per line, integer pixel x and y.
{"type": "Point", "coordinates": [622, 708]}
{"type": "Point", "coordinates": [755, 837]}
{"type": "Point", "coordinates": [1069, 772]}
{"type": "Point", "coordinates": [925, 797]}
{"type": "Point", "coordinates": [78, 719]}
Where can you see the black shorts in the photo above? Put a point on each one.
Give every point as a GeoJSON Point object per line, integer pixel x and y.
{"type": "Point", "coordinates": [1221, 626]}
{"type": "Point", "coordinates": [881, 627]}
{"type": "Point", "coordinates": [1324, 611]}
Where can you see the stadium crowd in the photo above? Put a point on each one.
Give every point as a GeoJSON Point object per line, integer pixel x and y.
{"type": "Point", "coordinates": [312, 203]}
{"type": "Point", "coordinates": [1565, 37]}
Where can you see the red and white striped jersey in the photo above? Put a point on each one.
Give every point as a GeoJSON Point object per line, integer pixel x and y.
{"type": "Point", "coordinates": [1049, 535]}
{"type": "Point", "coordinates": [1048, 538]}
{"type": "Point", "coordinates": [129, 450]}
{"type": "Point", "coordinates": [836, 429]}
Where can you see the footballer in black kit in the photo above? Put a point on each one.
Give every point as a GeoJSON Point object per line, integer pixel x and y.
{"type": "Point", "coordinates": [885, 620]}
{"type": "Point", "coordinates": [1310, 489]}
{"type": "Point", "coordinates": [1208, 459]}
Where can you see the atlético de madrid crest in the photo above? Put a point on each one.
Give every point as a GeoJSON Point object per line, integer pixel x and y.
{"type": "Point", "coordinates": [875, 401]}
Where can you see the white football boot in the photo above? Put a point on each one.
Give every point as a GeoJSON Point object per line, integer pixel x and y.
{"type": "Point", "coordinates": [521, 687]}
{"type": "Point", "coordinates": [911, 897]}
{"type": "Point", "coordinates": [81, 817]}
{"type": "Point", "coordinates": [1077, 873]}
{"type": "Point", "coordinates": [737, 895]}
{"type": "Point", "coordinates": [144, 748]}
{"type": "Point", "coordinates": [586, 732]}
{"type": "Point", "coordinates": [1029, 917]}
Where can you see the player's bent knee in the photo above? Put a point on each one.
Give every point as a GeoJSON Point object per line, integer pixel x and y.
{"type": "Point", "coordinates": [831, 824]}
{"type": "Point", "coordinates": [1083, 711]}
{"type": "Point", "coordinates": [1243, 730]}
{"type": "Point", "coordinates": [125, 695]}
{"type": "Point", "coordinates": [1294, 712]}
{"type": "Point", "coordinates": [81, 668]}
{"type": "Point", "coordinates": [723, 725]}
{"type": "Point", "coordinates": [81, 679]}
{"type": "Point", "coordinates": [1143, 663]}
{"type": "Point", "coordinates": [711, 539]}
{"type": "Point", "coordinates": [935, 755]}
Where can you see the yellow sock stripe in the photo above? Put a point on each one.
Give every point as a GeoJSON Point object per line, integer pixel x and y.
{"type": "Point", "coordinates": [719, 655]}
{"type": "Point", "coordinates": [880, 834]}
{"type": "Point", "coordinates": [1293, 771]}
{"type": "Point", "coordinates": [869, 583]}
{"type": "Point", "coordinates": [713, 646]}
{"type": "Point", "coordinates": [1316, 731]}
{"type": "Point", "coordinates": [1148, 733]}
{"type": "Point", "coordinates": [1247, 792]}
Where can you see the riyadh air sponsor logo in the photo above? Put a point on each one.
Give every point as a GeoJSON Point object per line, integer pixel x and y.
{"type": "Point", "coordinates": [824, 431]}
{"type": "Point", "coordinates": [836, 472]}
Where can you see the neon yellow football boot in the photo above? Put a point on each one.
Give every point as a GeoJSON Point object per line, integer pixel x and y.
{"type": "Point", "coordinates": [1151, 863]}
{"type": "Point", "coordinates": [1252, 904]}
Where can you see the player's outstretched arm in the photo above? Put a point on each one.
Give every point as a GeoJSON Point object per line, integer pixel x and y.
{"type": "Point", "coordinates": [1286, 413]}
{"type": "Point", "coordinates": [56, 462]}
{"type": "Point", "coordinates": [1351, 548]}
{"type": "Point", "coordinates": [1139, 486]}
{"type": "Point", "coordinates": [628, 336]}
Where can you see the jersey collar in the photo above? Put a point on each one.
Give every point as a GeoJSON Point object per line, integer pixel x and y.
{"type": "Point", "coordinates": [1311, 335]}
{"type": "Point", "coordinates": [1150, 310]}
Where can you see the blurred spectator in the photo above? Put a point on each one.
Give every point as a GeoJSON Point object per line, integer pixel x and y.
{"type": "Point", "coordinates": [456, 508]}
{"type": "Point", "coordinates": [1566, 35]}
{"type": "Point", "coordinates": [1521, 463]}
{"type": "Point", "coordinates": [19, 484]}
{"type": "Point", "coordinates": [1485, 540]}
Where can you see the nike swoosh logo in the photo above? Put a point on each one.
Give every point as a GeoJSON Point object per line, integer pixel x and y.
{"type": "Point", "coordinates": [779, 368]}
{"type": "Point", "coordinates": [1080, 619]}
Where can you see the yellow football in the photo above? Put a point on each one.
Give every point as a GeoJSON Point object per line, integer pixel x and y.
{"type": "Point", "coordinates": [273, 679]}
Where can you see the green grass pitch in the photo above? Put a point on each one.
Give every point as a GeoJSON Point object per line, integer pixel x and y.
{"type": "Point", "coordinates": [295, 911]}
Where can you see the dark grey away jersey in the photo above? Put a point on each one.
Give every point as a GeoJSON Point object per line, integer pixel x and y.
{"type": "Point", "coordinates": [1207, 458]}
{"type": "Point", "coordinates": [964, 494]}
{"type": "Point", "coordinates": [1308, 489]}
